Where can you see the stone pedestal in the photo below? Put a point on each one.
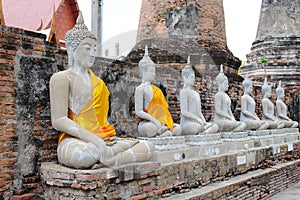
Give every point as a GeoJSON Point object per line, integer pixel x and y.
{"type": "Point", "coordinates": [203, 140]}
{"type": "Point", "coordinates": [153, 180]}
{"type": "Point", "coordinates": [262, 138]}
{"type": "Point", "coordinates": [179, 148]}
{"type": "Point", "coordinates": [167, 143]}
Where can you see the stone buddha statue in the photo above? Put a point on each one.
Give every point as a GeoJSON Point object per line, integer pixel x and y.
{"type": "Point", "coordinates": [223, 116]}
{"type": "Point", "coordinates": [192, 120]}
{"type": "Point", "coordinates": [79, 108]}
{"type": "Point", "coordinates": [248, 114]}
{"type": "Point", "coordinates": [281, 109]}
{"type": "Point", "coordinates": [151, 106]}
{"type": "Point", "coordinates": [268, 108]}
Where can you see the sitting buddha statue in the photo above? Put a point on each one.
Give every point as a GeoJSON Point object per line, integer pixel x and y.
{"type": "Point", "coordinates": [192, 120]}
{"type": "Point", "coordinates": [151, 106]}
{"type": "Point", "coordinates": [268, 108]}
{"type": "Point", "coordinates": [223, 116]}
{"type": "Point", "coordinates": [281, 109]}
{"type": "Point", "coordinates": [79, 108]}
{"type": "Point", "coordinates": [248, 114]}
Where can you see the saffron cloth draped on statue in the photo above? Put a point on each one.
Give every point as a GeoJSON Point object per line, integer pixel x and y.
{"type": "Point", "coordinates": [93, 116]}
{"type": "Point", "coordinates": [159, 108]}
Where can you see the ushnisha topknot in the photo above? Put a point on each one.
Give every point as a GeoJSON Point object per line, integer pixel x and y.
{"type": "Point", "coordinates": [247, 82]}
{"type": "Point", "coordinates": [146, 61]}
{"type": "Point", "coordinates": [188, 69]}
{"type": "Point", "coordinates": [266, 87]}
{"type": "Point", "coordinates": [221, 78]}
{"type": "Point", "coordinates": [279, 89]}
{"type": "Point", "coordinates": [78, 33]}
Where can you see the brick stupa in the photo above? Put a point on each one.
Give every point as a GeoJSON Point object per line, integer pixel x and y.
{"type": "Point", "coordinates": [174, 29]}
{"type": "Point", "coordinates": [275, 53]}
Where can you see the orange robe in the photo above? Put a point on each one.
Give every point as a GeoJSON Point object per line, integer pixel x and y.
{"type": "Point", "coordinates": [93, 116]}
{"type": "Point", "coordinates": [159, 108]}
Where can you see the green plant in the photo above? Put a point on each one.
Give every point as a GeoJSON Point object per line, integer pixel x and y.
{"type": "Point", "coordinates": [161, 15]}
{"type": "Point", "coordinates": [263, 60]}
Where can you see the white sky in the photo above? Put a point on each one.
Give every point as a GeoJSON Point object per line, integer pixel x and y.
{"type": "Point", "coordinates": [241, 18]}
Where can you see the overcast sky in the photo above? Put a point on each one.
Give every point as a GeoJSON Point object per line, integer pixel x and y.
{"type": "Point", "coordinates": [241, 18]}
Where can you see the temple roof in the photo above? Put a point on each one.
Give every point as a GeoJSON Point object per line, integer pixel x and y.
{"type": "Point", "coordinates": [34, 14]}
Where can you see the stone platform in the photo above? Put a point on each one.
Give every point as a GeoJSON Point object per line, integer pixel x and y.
{"type": "Point", "coordinates": [189, 167]}
{"type": "Point", "coordinates": [177, 148]}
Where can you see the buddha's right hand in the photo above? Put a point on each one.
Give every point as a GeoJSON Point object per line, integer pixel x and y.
{"type": "Point", "coordinates": [158, 126]}
{"type": "Point", "coordinates": [200, 122]}
{"type": "Point", "coordinates": [103, 151]}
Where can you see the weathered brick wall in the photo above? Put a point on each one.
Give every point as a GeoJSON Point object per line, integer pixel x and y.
{"type": "Point", "coordinates": [178, 28]}
{"type": "Point", "coordinates": [27, 138]}
{"type": "Point", "coordinates": [123, 77]}
{"type": "Point", "coordinates": [26, 135]}
{"type": "Point", "coordinates": [207, 22]}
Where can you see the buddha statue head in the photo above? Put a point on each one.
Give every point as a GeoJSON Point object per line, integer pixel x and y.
{"type": "Point", "coordinates": [147, 67]}
{"type": "Point", "coordinates": [188, 74]}
{"type": "Point", "coordinates": [247, 85]}
{"type": "Point", "coordinates": [266, 89]}
{"type": "Point", "coordinates": [279, 91]}
{"type": "Point", "coordinates": [222, 81]}
{"type": "Point", "coordinates": [79, 35]}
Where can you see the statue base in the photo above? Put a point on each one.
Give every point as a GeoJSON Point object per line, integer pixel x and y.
{"type": "Point", "coordinates": [223, 157]}
{"type": "Point", "coordinates": [235, 136]}
{"type": "Point", "coordinates": [178, 148]}
{"type": "Point", "coordinates": [228, 175]}
{"type": "Point", "coordinates": [167, 143]}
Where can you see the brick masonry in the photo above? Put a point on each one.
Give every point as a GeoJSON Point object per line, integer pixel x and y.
{"type": "Point", "coordinates": [26, 135]}
{"type": "Point", "coordinates": [27, 138]}
{"type": "Point", "coordinates": [275, 53]}
{"type": "Point", "coordinates": [155, 180]}
{"type": "Point", "coordinates": [175, 29]}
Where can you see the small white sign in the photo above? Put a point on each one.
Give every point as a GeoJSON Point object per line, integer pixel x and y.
{"type": "Point", "coordinates": [290, 147]}
{"type": "Point", "coordinates": [276, 150]}
{"type": "Point", "coordinates": [241, 160]}
{"type": "Point", "coordinates": [217, 151]}
{"type": "Point", "coordinates": [177, 156]}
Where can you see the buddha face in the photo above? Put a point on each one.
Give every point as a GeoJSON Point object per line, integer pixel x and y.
{"type": "Point", "coordinates": [224, 85]}
{"type": "Point", "coordinates": [280, 94]}
{"type": "Point", "coordinates": [84, 54]}
{"type": "Point", "coordinates": [148, 74]}
{"type": "Point", "coordinates": [189, 79]}
{"type": "Point", "coordinates": [268, 93]}
{"type": "Point", "coordinates": [248, 89]}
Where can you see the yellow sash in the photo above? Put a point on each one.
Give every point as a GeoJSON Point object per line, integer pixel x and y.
{"type": "Point", "coordinates": [159, 108]}
{"type": "Point", "coordinates": [93, 116]}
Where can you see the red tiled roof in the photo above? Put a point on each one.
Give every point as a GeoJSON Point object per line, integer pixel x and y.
{"type": "Point", "coordinates": [33, 14]}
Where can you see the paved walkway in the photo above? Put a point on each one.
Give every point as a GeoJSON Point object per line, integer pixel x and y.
{"type": "Point", "coordinates": [292, 193]}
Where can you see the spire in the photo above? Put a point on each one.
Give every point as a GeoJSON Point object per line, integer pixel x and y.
{"type": "Point", "coordinates": [2, 21]}
{"type": "Point", "coordinates": [188, 68]}
{"type": "Point", "coordinates": [146, 61]}
{"type": "Point", "coordinates": [78, 33]}
{"type": "Point", "coordinates": [146, 51]}
{"type": "Point", "coordinates": [188, 60]}
{"type": "Point", "coordinates": [221, 68]}
{"type": "Point", "coordinates": [266, 81]}
{"type": "Point", "coordinates": [279, 90]}
{"type": "Point", "coordinates": [52, 36]}
{"type": "Point", "coordinates": [80, 19]}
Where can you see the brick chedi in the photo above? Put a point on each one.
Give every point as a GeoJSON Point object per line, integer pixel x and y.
{"type": "Point", "coordinates": [175, 28]}
{"type": "Point", "coordinates": [275, 53]}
